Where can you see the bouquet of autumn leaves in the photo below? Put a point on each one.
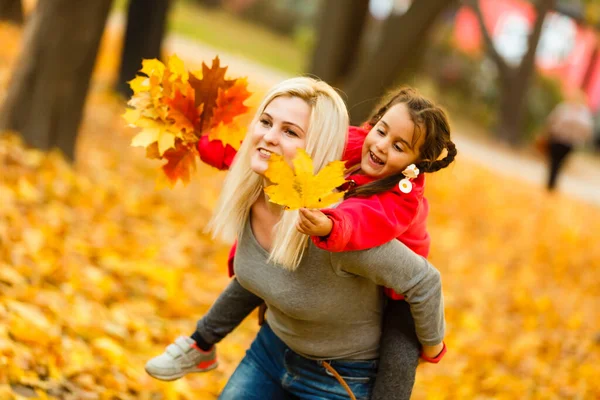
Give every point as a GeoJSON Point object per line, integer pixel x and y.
{"type": "Point", "coordinates": [175, 109]}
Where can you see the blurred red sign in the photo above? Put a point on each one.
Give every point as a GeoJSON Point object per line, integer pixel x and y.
{"type": "Point", "coordinates": [565, 51]}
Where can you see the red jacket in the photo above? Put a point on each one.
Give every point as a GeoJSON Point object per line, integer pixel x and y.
{"type": "Point", "coordinates": [359, 223]}
{"type": "Point", "coordinates": [214, 154]}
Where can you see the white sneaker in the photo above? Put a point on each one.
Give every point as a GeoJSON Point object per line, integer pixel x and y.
{"type": "Point", "coordinates": [181, 358]}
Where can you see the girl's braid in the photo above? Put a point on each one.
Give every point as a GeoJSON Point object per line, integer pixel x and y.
{"type": "Point", "coordinates": [433, 166]}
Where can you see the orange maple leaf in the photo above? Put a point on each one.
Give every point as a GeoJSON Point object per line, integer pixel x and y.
{"type": "Point", "coordinates": [184, 113]}
{"type": "Point", "coordinates": [230, 103]}
{"type": "Point", "coordinates": [181, 162]}
{"type": "Point", "coordinates": [152, 151]}
{"type": "Point", "coordinates": [207, 89]}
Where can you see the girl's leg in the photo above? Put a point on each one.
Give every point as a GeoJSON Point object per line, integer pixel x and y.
{"type": "Point", "coordinates": [229, 310]}
{"type": "Point", "coordinates": [557, 153]}
{"type": "Point", "coordinates": [260, 372]}
{"type": "Point", "coordinates": [399, 354]}
{"type": "Point", "coordinates": [197, 354]}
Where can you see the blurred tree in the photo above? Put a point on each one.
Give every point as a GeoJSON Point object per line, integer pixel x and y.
{"type": "Point", "coordinates": [47, 91]}
{"type": "Point", "coordinates": [280, 16]}
{"type": "Point", "coordinates": [146, 23]}
{"type": "Point", "coordinates": [11, 10]}
{"type": "Point", "coordinates": [585, 12]}
{"type": "Point", "coordinates": [209, 3]}
{"type": "Point", "coordinates": [514, 81]}
{"type": "Point", "coordinates": [398, 52]}
{"type": "Point", "coordinates": [339, 38]}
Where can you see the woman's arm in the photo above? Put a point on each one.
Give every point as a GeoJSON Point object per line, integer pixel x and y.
{"type": "Point", "coordinates": [396, 266]}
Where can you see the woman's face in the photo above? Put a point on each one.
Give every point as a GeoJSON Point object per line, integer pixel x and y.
{"type": "Point", "coordinates": [388, 149]}
{"type": "Point", "coordinates": [280, 129]}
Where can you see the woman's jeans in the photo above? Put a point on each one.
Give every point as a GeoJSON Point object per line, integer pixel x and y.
{"type": "Point", "coordinates": [271, 370]}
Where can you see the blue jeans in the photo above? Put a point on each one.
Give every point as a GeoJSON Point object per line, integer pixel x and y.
{"type": "Point", "coordinates": [271, 371]}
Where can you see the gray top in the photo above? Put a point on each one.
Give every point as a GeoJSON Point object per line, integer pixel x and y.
{"type": "Point", "coordinates": [331, 306]}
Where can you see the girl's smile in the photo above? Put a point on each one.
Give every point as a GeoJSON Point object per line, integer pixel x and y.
{"type": "Point", "coordinates": [374, 161]}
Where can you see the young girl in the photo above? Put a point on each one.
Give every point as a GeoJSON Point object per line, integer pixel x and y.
{"type": "Point", "coordinates": [385, 201]}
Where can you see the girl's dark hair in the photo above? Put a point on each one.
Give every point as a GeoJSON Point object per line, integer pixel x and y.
{"type": "Point", "coordinates": [430, 120]}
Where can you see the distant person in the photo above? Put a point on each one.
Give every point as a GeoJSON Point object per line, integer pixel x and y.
{"type": "Point", "coordinates": [570, 124]}
{"type": "Point", "coordinates": [596, 140]}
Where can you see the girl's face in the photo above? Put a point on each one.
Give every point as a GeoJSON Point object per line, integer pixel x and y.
{"type": "Point", "coordinates": [387, 149]}
{"type": "Point", "coordinates": [280, 129]}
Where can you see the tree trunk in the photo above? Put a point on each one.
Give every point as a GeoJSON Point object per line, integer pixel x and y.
{"type": "Point", "coordinates": [514, 81]}
{"type": "Point", "coordinates": [339, 34]}
{"type": "Point", "coordinates": [146, 23]}
{"type": "Point", "coordinates": [402, 38]}
{"type": "Point", "coordinates": [511, 111]}
{"type": "Point", "coordinates": [49, 85]}
{"type": "Point", "coordinates": [11, 10]}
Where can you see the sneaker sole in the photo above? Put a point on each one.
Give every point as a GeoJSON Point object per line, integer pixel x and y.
{"type": "Point", "coordinates": [174, 377]}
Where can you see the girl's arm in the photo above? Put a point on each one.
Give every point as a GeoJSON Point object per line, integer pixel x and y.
{"type": "Point", "coordinates": [232, 306]}
{"type": "Point", "coordinates": [361, 223]}
{"type": "Point", "coordinates": [396, 266]}
{"type": "Point", "coordinates": [213, 153]}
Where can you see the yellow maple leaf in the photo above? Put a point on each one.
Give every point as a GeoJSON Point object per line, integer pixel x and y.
{"type": "Point", "coordinates": [153, 67]}
{"type": "Point", "coordinates": [153, 132]}
{"type": "Point", "coordinates": [300, 187]}
{"type": "Point", "coordinates": [229, 134]}
{"type": "Point", "coordinates": [177, 69]}
{"type": "Point", "coordinates": [139, 84]}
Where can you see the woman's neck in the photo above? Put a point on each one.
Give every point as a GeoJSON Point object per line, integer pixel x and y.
{"type": "Point", "coordinates": [269, 211]}
{"type": "Point", "coordinates": [264, 217]}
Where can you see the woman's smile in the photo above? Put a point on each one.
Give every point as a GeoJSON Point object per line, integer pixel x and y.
{"type": "Point", "coordinates": [264, 153]}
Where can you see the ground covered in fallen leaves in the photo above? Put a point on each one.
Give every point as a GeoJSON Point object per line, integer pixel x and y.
{"type": "Point", "coordinates": [100, 270]}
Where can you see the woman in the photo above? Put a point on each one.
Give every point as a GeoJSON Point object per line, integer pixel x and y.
{"type": "Point", "coordinates": [324, 309]}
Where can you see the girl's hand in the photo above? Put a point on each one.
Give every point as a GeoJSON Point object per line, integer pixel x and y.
{"type": "Point", "coordinates": [431, 353]}
{"type": "Point", "coordinates": [314, 223]}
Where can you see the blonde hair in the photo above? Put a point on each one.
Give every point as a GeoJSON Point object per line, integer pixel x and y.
{"type": "Point", "coordinates": [325, 141]}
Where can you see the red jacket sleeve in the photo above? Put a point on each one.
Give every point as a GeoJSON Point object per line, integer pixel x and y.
{"type": "Point", "coordinates": [361, 223]}
{"type": "Point", "coordinates": [230, 259]}
{"type": "Point", "coordinates": [213, 153]}
{"type": "Point", "coordinates": [353, 152]}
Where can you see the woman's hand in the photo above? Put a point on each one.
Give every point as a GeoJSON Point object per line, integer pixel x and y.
{"type": "Point", "coordinates": [314, 223]}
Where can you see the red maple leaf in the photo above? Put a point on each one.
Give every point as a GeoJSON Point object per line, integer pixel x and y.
{"type": "Point", "coordinates": [230, 103]}
{"type": "Point", "coordinates": [183, 111]}
{"type": "Point", "coordinates": [181, 162]}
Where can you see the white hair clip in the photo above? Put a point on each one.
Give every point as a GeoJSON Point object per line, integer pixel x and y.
{"type": "Point", "coordinates": [410, 173]}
